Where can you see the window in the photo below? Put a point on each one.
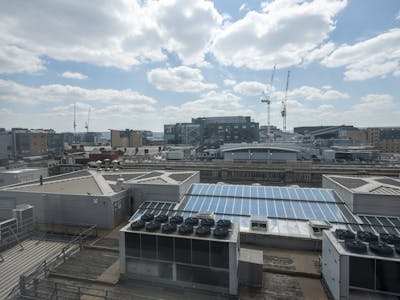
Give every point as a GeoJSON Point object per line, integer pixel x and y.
{"type": "Point", "coordinates": [201, 252]}
{"type": "Point", "coordinates": [361, 272]}
{"type": "Point", "coordinates": [148, 246]}
{"type": "Point", "coordinates": [132, 244]}
{"type": "Point", "coordinates": [182, 250]}
{"type": "Point", "coordinates": [220, 255]}
{"type": "Point", "coordinates": [165, 248]}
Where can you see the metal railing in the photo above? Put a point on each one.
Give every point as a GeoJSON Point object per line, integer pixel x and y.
{"type": "Point", "coordinates": [30, 278]}
{"type": "Point", "coordinates": [11, 236]}
{"type": "Point", "coordinates": [45, 289]}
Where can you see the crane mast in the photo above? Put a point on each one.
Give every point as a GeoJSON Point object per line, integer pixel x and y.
{"type": "Point", "coordinates": [284, 103]}
{"type": "Point", "coordinates": [266, 98]}
{"type": "Point", "coordinates": [87, 123]}
{"type": "Point", "coordinates": [74, 122]}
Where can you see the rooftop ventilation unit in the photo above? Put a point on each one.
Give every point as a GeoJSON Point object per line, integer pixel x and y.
{"type": "Point", "coordinates": [355, 246]}
{"type": "Point", "coordinates": [153, 226]}
{"type": "Point", "coordinates": [224, 223]}
{"type": "Point", "coordinates": [168, 228]}
{"type": "Point", "coordinates": [367, 236]}
{"type": "Point", "coordinates": [185, 229]}
{"type": "Point", "coordinates": [147, 217]}
{"type": "Point", "coordinates": [139, 224]}
{"type": "Point", "coordinates": [161, 218]}
{"type": "Point", "coordinates": [205, 215]}
{"type": "Point", "coordinates": [318, 226]}
{"type": "Point", "coordinates": [207, 222]}
{"type": "Point", "coordinates": [343, 234]}
{"type": "Point", "coordinates": [193, 221]}
{"type": "Point", "coordinates": [389, 238]}
{"type": "Point", "coordinates": [381, 248]}
{"type": "Point", "coordinates": [259, 225]}
{"type": "Point", "coordinates": [221, 232]}
{"type": "Point", "coordinates": [203, 230]}
{"type": "Point", "coordinates": [176, 220]}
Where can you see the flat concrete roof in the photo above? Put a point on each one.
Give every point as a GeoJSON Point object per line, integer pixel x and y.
{"type": "Point", "coordinates": [77, 186]}
{"type": "Point", "coordinates": [255, 147]}
{"type": "Point", "coordinates": [19, 171]}
{"type": "Point", "coordinates": [368, 184]}
{"type": "Point", "coordinates": [163, 177]}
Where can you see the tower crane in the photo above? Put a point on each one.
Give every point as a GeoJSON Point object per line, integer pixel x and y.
{"type": "Point", "coordinates": [284, 103]}
{"type": "Point", "coordinates": [74, 122]}
{"type": "Point", "coordinates": [266, 98]}
{"type": "Point", "coordinates": [87, 123]}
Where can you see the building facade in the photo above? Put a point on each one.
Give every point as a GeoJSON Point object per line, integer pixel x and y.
{"type": "Point", "coordinates": [6, 146]}
{"type": "Point", "coordinates": [126, 138]}
{"type": "Point", "coordinates": [182, 134]}
{"type": "Point", "coordinates": [385, 139]}
{"type": "Point", "coordinates": [30, 142]}
{"type": "Point", "coordinates": [215, 131]}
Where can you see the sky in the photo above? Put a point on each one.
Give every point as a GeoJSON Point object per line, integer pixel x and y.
{"type": "Point", "coordinates": [143, 64]}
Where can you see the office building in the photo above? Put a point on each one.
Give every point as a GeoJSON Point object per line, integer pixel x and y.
{"type": "Point", "coordinates": [215, 131]}
{"type": "Point", "coordinates": [126, 138]}
{"type": "Point", "coordinates": [182, 134]}
{"type": "Point", "coordinates": [385, 139]}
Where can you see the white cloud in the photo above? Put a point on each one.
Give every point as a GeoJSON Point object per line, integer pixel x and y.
{"type": "Point", "coordinates": [180, 79]}
{"type": "Point", "coordinates": [11, 91]}
{"type": "Point", "coordinates": [229, 82]}
{"type": "Point", "coordinates": [368, 111]}
{"type": "Point", "coordinates": [284, 33]}
{"type": "Point", "coordinates": [14, 59]}
{"type": "Point", "coordinates": [74, 75]}
{"type": "Point", "coordinates": [210, 104]}
{"type": "Point", "coordinates": [312, 93]}
{"type": "Point", "coordinates": [243, 6]}
{"type": "Point", "coordinates": [375, 57]}
{"type": "Point", "coordinates": [250, 88]}
{"type": "Point", "coordinates": [118, 33]}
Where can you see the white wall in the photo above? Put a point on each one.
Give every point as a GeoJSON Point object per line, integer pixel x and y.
{"type": "Point", "coordinates": [68, 209]}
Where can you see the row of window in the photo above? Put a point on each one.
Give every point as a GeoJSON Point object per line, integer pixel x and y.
{"type": "Point", "coordinates": [184, 250]}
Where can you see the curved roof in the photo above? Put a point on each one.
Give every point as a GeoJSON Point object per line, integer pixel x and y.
{"type": "Point", "coordinates": [262, 148]}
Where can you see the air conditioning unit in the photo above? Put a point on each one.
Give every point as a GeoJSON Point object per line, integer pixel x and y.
{"type": "Point", "coordinates": [205, 215]}
{"type": "Point", "coordinates": [259, 225]}
{"type": "Point", "coordinates": [317, 226]}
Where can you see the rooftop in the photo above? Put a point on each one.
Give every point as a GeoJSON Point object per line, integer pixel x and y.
{"type": "Point", "coordinates": [19, 171]}
{"type": "Point", "coordinates": [99, 183]}
{"type": "Point", "coordinates": [368, 184]}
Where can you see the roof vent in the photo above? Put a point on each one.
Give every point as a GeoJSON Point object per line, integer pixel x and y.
{"type": "Point", "coordinates": [224, 223]}
{"type": "Point", "coordinates": [221, 232]}
{"type": "Point", "coordinates": [185, 229]}
{"type": "Point", "coordinates": [259, 225]}
{"type": "Point", "coordinates": [147, 217]}
{"type": "Point", "coordinates": [343, 234]}
{"type": "Point", "coordinates": [176, 220]}
{"type": "Point", "coordinates": [161, 218]}
{"type": "Point", "coordinates": [205, 215]}
{"type": "Point", "coordinates": [207, 222]}
{"type": "Point", "coordinates": [139, 224]}
{"type": "Point", "coordinates": [152, 226]}
{"type": "Point", "coordinates": [203, 230]}
{"type": "Point", "coordinates": [168, 228]}
{"type": "Point", "coordinates": [193, 221]}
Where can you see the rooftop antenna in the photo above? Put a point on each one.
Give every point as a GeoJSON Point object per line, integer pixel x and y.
{"type": "Point", "coordinates": [284, 103]}
{"type": "Point", "coordinates": [87, 123]}
{"type": "Point", "coordinates": [266, 98]}
{"type": "Point", "coordinates": [75, 122]}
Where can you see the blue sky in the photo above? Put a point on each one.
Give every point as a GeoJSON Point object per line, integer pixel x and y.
{"type": "Point", "coordinates": [142, 64]}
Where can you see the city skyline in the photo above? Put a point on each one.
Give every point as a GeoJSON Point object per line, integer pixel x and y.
{"type": "Point", "coordinates": [142, 65]}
